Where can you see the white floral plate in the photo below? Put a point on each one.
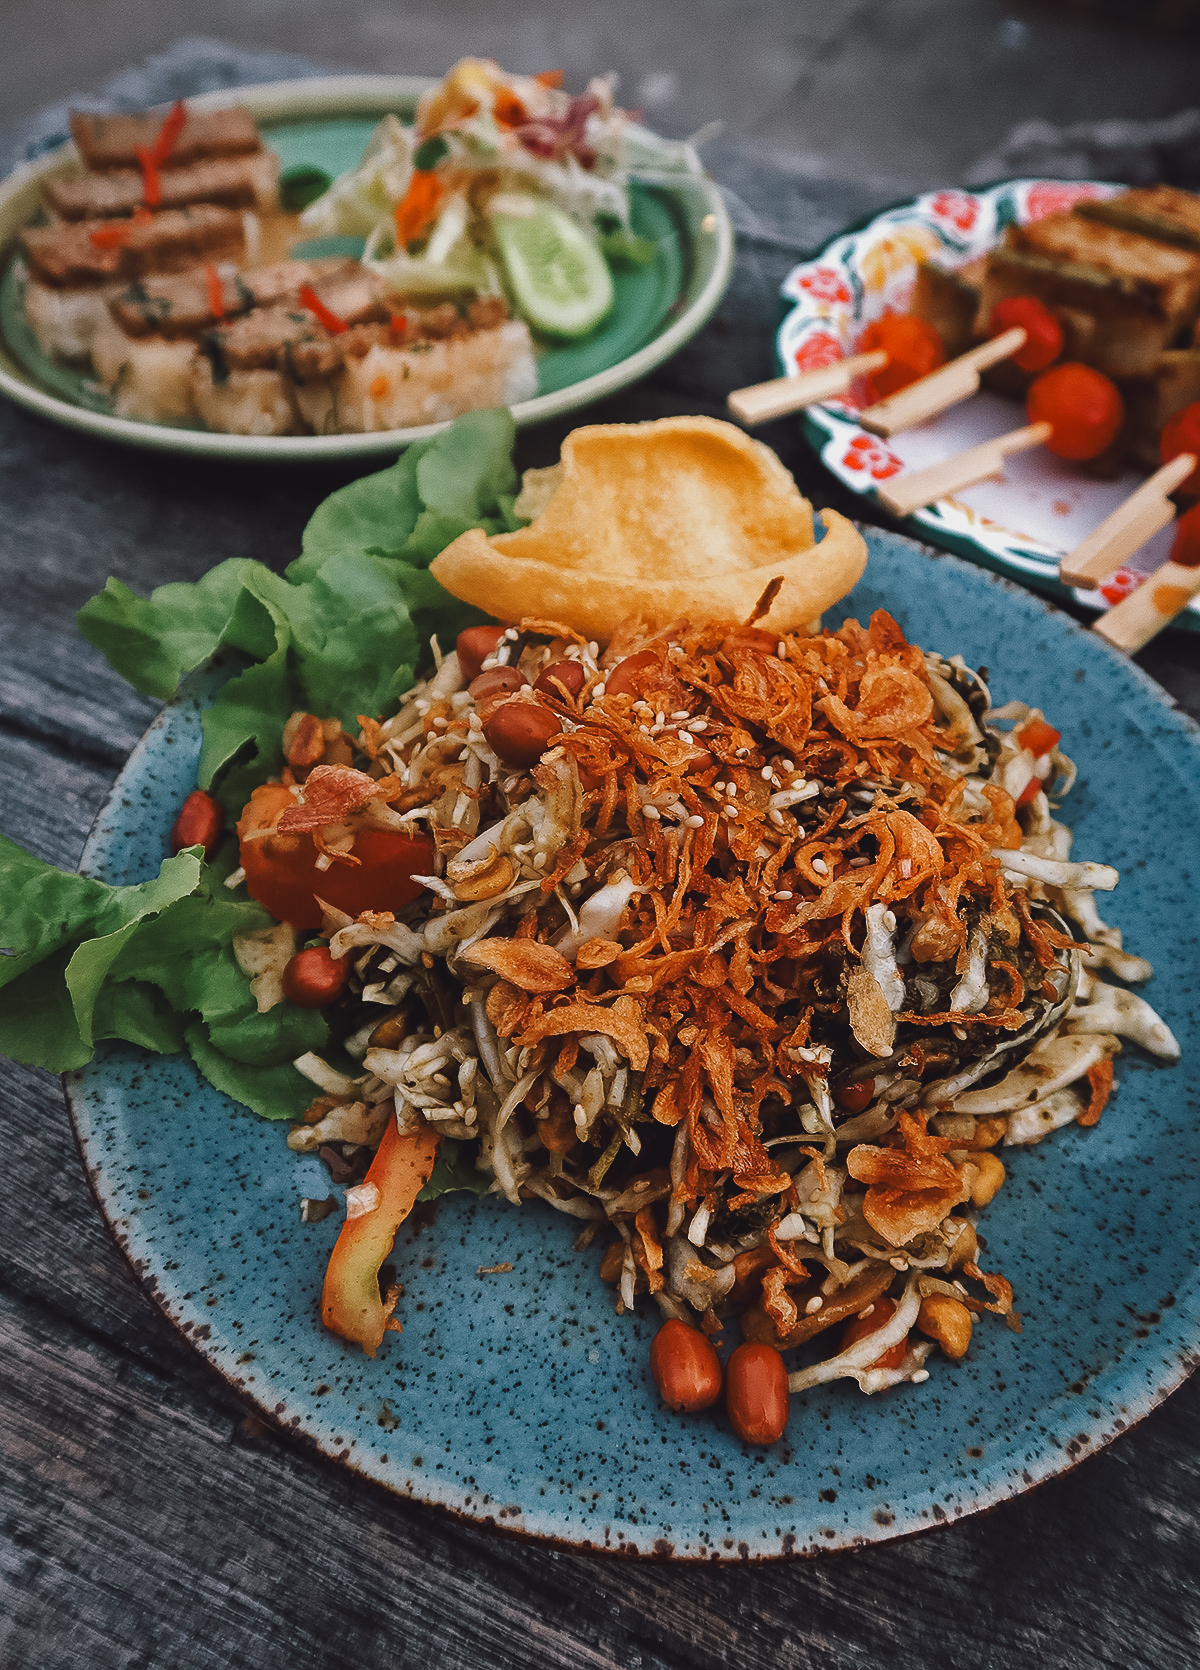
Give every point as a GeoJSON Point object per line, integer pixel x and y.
{"type": "Point", "coordinates": [1020, 526]}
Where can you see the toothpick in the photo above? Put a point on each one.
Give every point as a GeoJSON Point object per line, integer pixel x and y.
{"type": "Point", "coordinates": [1128, 528]}
{"type": "Point", "coordinates": [764, 401]}
{"type": "Point", "coordinates": [979, 463]}
{"type": "Point", "coordinates": [1136, 619]}
{"type": "Point", "coordinates": [941, 388]}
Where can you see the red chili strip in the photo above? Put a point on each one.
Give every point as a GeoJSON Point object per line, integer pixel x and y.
{"type": "Point", "coordinates": [317, 308]}
{"type": "Point", "coordinates": [151, 185]}
{"type": "Point", "coordinates": [169, 132]}
{"type": "Point", "coordinates": [216, 291]}
{"type": "Point", "coordinates": [109, 236]}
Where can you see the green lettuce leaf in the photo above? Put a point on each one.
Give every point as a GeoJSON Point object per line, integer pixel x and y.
{"type": "Point", "coordinates": [454, 1169]}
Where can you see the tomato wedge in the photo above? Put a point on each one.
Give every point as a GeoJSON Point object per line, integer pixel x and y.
{"type": "Point", "coordinates": [282, 874]}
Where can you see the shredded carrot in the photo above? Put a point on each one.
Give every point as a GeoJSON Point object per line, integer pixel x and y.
{"type": "Point", "coordinates": [508, 109]}
{"type": "Point", "coordinates": [417, 209]}
{"type": "Point", "coordinates": [216, 291]}
{"type": "Point", "coordinates": [317, 308]}
{"type": "Point", "coordinates": [549, 78]}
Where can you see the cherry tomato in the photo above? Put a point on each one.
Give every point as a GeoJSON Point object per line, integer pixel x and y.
{"type": "Point", "coordinates": [855, 1097]}
{"type": "Point", "coordinates": [1083, 408]}
{"type": "Point", "coordinates": [282, 874]}
{"type": "Point", "coordinates": [858, 1327]}
{"type": "Point", "coordinates": [519, 732]}
{"type": "Point", "coordinates": [314, 978]}
{"type": "Point", "coordinates": [474, 646]}
{"type": "Point", "coordinates": [686, 1369]}
{"type": "Point", "coordinates": [1043, 333]}
{"type": "Point", "coordinates": [1182, 434]}
{"type": "Point", "coordinates": [200, 823]}
{"type": "Point", "coordinates": [1186, 549]}
{"type": "Point", "coordinates": [756, 1393]}
{"type": "Point", "coordinates": [914, 349]}
{"type": "Point", "coordinates": [1039, 737]}
{"type": "Point", "coordinates": [568, 674]}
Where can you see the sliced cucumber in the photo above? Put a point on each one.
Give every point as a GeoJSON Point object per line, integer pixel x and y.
{"type": "Point", "coordinates": [557, 275]}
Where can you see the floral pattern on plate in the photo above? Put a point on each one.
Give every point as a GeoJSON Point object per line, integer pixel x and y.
{"type": "Point", "coordinates": [1020, 527]}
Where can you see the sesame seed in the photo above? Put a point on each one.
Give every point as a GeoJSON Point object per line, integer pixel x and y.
{"type": "Point", "coordinates": [580, 1115]}
{"type": "Point", "coordinates": [694, 822]}
{"type": "Point", "coordinates": [898, 1263]}
{"type": "Point", "coordinates": [698, 725]}
{"type": "Point", "coordinates": [766, 774]}
{"type": "Point", "coordinates": [820, 866]}
{"type": "Point", "coordinates": [730, 811]}
{"type": "Point", "coordinates": [859, 863]}
{"type": "Point", "coordinates": [439, 724]}
{"type": "Point", "coordinates": [651, 812]}
{"type": "Point", "coordinates": [511, 633]}
{"type": "Point", "coordinates": [781, 650]}
{"type": "Point", "coordinates": [593, 648]}
{"type": "Point", "coordinates": [776, 817]}
{"type": "Point", "coordinates": [682, 714]}
{"type": "Point", "coordinates": [731, 789]}
{"type": "Point", "coordinates": [920, 1377]}
{"type": "Point", "coordinates": [788, 765]}
{"type": "Point", "coordinates": [784, 894]}
{"type": "Point", "coordinates": [660, 718]}
{"type": "Point", "coordinates": [597, 692]}
{"type": "Point", "coordinates": [485, 666]}
{"type": "Point", "coordinates": [814, 1305]}
{"type": "Point", "coordinates": [741, 753]}
{"type": "Point", "coordinates": [539, 860]}
{"type": "Point", "coordinates": [863, 1314]}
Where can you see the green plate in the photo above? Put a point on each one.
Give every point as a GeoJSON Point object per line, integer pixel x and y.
{"type": "Point", "coordinates": [326, 123]}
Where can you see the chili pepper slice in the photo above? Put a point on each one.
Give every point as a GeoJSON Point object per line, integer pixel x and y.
{"type": "Point", "coordinates": [216, 291]}
{"type": "Point", "coordinates": [109, 236]}
{"type": "Point", "coordinates": [324, 315]}
{"type": "Point", "coordinates": [172, 127]}
{"type": "Point", "coordinates": [351, 1304]}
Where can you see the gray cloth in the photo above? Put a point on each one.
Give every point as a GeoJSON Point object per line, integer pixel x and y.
{"type": "Point", "coordinates": [1132, 153]}
{"type": "Point", "coordinates": [191, 66]}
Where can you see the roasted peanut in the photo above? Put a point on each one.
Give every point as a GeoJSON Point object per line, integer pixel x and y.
{"type": "Point", "coordinates": [200, 824]}
{"type": "Point", "coordinates": [964, 1249]}
{"type": "Point", "coordinates": [519, 732]}
{"type": "Point", "coordinates": [948, 1322]}
{"type": "Point", "coordinates": [497, 681]}
{"type": "Point", "coordinates": [627, 677]}
{"type": "Point", "coordinates": [560, 679]}
{"type": "Point", "coordinates": [474, 646]}
{"type": "Point", "coordinates": [304, 740]}
{"type": "Point", "coordinates": [990, 1179]}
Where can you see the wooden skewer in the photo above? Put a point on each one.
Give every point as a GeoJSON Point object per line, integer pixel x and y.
{"type": "Point", "coordinates": [1132, 622]}
{"type": "Point", "coordinates": [1128, 528]}
{"type": "Point", "coordinates": [909, 492]}
{"type": "Point", "coordinates": [941, 388]}
{"type": "Point", "coordinates": [763, 401]}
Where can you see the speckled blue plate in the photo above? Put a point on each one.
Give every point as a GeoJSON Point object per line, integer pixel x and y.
{"type": "Point", "coordinates": [521, 1400]}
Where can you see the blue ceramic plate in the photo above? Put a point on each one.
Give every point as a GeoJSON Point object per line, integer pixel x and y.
{"type": "Point", "coordinates": [521, 1399]}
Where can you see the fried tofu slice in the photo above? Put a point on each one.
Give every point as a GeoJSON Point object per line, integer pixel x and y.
{"type": "Point", "coordinates": [107, 141]}
{"type": "Point", "coordinates": [1167, 213]}
{"type": "Point", "coordinates": [246, 182]}
{"type": "Point", "coordinates": [1125, 297]}
{"type": "Point", "coordinates": [684, 517]}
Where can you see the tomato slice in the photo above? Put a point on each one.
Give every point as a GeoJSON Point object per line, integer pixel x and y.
{"type": "Point", "coordinates": [282, 874]}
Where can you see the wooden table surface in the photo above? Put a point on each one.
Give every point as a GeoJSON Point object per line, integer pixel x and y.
{"type": "Point", "coordinates": [148, 1518]}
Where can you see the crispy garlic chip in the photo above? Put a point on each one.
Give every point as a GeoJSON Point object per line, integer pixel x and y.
{"type": "Point", "coordinates": [686, 516]}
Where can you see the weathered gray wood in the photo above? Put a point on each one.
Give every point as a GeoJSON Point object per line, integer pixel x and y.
{"type": "Point", "coordinates": [145, 1522]}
